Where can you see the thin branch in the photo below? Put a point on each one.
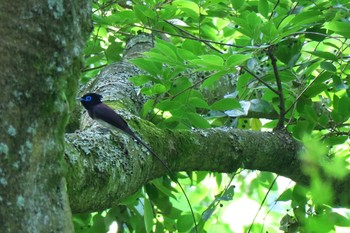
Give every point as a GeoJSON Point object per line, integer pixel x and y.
{"type": "Point", "coordinates": [303, 92]}
{"type": "Point", "coordinates": [260, 80]}
{"type": "Point", "coordinates": [94, 68]}
{"type": "Point", "coordinates": [274, 8]}
{"type": "Point", "coordinates": [193, 85]}
{"type": "Point", "coordinates": [262, 203]}
{"type": "Point", "coordinates": [318, 34]}
{"type": "Point", "coordinates": [193, 36]}
{"type": "Point", "coordinates": [290, 12]}
{"type": "Point", "coordinates": [201, 40]}
{"type": "Point", "coordinates": [280, 124]}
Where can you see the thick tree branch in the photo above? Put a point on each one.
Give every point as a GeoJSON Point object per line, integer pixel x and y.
{"type": "Point", "coordinates": [106, 168]}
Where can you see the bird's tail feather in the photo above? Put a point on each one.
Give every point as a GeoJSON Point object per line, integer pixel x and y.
{"type": "Point", "coordinates": [171, 173]}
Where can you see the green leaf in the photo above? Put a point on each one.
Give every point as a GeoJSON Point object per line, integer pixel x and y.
{"type": "Point", "coordinates": [263, 8]}
{"type": "Point", "coordinates": [306, 18]}
{"type": "Point", "coordinates": [98, 225]}
{"type": "Point", "coordinates": [302, 128]}
{"type": "Point", "coordinates": [100, 19]}
{"type": "Point", "coordinates": [309, 114]}
{"type": "Point", "coordinates": [325, 55]}
{"type": "Point", "coordinates": [186, 54]}
{"type": "Point", "coordinates": [198, 102]}
{"type": "Point", "coordinates": [193, 46]}
{"type": "Point", "coordinates": [180, 85]}
{"type": "Point", "coordinates": [315, 89]}
{"type": "Point", "coordinates": [151, 67]}
{"type": "Point", "coordinates": [270, 32]}
{"type": "Point", "coordinates": [113, 52]}
{"type": "Point", "coordinates": [209, 62]}
{"type": "Point", "coordinates": [166, 49]}
{"type": "Point", "coordinates": [236, 59]}
{"type": "Point", "coordinates": [212, 79]}
{"type": "Point", "coordinates": [237, 4]}
{"type": "Point", "coordinates": [143, 12]}
{"type": "Point", "coordinates": [328, 66]}
{"type": "Point", "coordinates": [148, 215]}
{"type": "Point", "coordinates": [225, 104]}
{"type": "Point", "coordinates": [198, 121]}
{"type": "Point", "coordinates": [122, 17]}
{"type": "Point", "coordinates": [299, 196]}
{"type": "Point", "coordinates": [286, 195]}
{"type": "Point", "coordinates": [141, 79]}
{"type": "Point", "coordinates": [228, 194]}
{"type": "Point", "coordinates": [255, 124]}
{"type": "Point", "coordinates": [155, 89]}
{"type": "Point", "coordinates": [338, 83]}
{"type": "Point", "coordinates": [288, 51]}
{"type": "Point", "coordinates": [341, 28]}
{"type": "Point", "coordinates": [339, 219]}
{"type": "Point", "coordinates": [341, 110]}
{"type": "Point", "coordinates": [132, 199]}
{"type": "Point", "coordinates": [259, 105]}
{"type": "Point", "coordinates": [158, 183]}
{"type": "Point", "coordinates": [335, 140]}
{"type": "Point", "coordinates": [201, 175]}
{"type": "Point", "coordinates": [189, 7]}
{"type": "Point", "coordinates": [184, 223]}
{"type": "Point", "coordinates": [159, 88]}
{"type": "Point", "coordinates": [92, 47]}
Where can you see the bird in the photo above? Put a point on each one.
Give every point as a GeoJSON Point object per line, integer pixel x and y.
{"type": "Point", "coordinates": [108, 118]}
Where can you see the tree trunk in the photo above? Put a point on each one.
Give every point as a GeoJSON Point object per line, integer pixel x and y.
{"type": "Point", "coordinates": [40, 46]}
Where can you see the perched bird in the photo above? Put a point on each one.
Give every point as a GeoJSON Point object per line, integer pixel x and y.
{"type": "Point", "coordinates": [108, 118]}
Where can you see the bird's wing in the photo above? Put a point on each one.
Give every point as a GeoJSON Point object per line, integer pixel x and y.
{"type": "Point", "coordinates": [104, 113]}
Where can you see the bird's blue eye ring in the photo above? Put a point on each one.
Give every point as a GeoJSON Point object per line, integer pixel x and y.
{"type": "Point", "coordinates": [88, 98]}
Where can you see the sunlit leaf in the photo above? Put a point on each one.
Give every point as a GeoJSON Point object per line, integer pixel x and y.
{"type": "Point", "coordinates": [237, 4]}
{"type": "Point", "coordinates": [184, 223]}
{"type": "Point", "coordinates": [236, 59]}
{"type": "Point", "coordinates": [263, 8]}
{"type": "Point", "coordinates": [198, 121]}
{"type": "Point", "coordinates": [342, 28]}
{"type": "Point", "coordinates": [328, 66]}
{"type": "Point", "coordinates": [148, 216]}
{"type": "Point", "coordinates": [325, 55]}
{"type": "Point", "coordinates": [225, 104]}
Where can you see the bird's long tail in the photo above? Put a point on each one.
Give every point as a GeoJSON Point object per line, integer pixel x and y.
{"type": "Point", "coordinates": [171, 174]}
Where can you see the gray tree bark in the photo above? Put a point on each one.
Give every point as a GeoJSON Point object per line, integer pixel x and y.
{"type": "Point", "coordinates": [40, 45]}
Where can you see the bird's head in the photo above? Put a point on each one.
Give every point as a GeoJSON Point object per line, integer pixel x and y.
{"type": "Point", "coordinates": [90, 99]}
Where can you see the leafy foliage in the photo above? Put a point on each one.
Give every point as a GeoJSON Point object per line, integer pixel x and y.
{"type": "Point", "coordinates": [234, 63]}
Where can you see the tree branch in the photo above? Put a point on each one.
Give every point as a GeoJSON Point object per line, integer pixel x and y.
{"type": "Point", "coordinates": [104, 169]}
{"type": "Point", "coordinates": [280, 124]}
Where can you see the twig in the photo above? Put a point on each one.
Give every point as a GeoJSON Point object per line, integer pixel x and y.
{"type": "Point", "coordinates": [193, 36]}
{"type": "Point", "coordinates": [274, 8]}
{"type": "Point", "coordinates": [193, 85]}
{"type": "Point", "coordinates": [280, 124]}
{"type": "Point", "coordinates": [260, 80]}
{"type": "Point", "coordinates": [94, 68]}
{"type": "Point", "coordinates": [262, 203]}
{"type": "Point", "coordinates": [303, 92]}
{"type": "Point", "coordinates": [201, 40]}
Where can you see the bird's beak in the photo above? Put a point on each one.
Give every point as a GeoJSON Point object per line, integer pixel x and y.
{"type": "Point", "coordinates": [79, 98]}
